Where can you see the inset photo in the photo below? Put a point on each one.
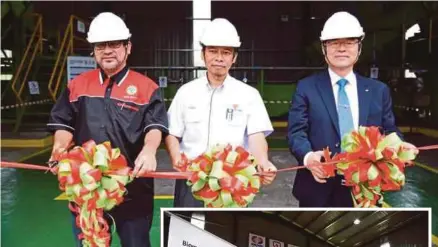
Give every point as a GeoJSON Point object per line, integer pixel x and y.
{"type": "Point", "coordinates": [303, 228]}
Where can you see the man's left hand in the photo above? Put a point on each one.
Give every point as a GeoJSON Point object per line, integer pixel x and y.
{"type": "Point", "coordinates": [410, 146]}
{"type": "Point", "coordinates": [268, 172]}
{"type": "Point", "coordinates": [145, 162]}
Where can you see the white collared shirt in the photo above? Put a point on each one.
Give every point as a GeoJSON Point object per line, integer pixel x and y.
{"type": "Point", "coordinates": [350, 90]}
{"type": "Point", "coordinates": [204, 116]}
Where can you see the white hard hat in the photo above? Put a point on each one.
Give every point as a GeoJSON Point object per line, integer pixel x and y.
{"type": "Point", "coordinates": [107, 27]}
{"type": "Point", "coordinates": [342, 25]}
{"type": "Point", "coordinates": [220, 32]}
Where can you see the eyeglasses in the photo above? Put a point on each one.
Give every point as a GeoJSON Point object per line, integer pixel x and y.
{"type": "Point", "coordinates": [338, 43]}
{"type": "Point", "coordinates": [111, 44]}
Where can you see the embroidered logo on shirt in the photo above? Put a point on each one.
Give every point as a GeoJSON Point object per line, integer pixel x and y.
{"type": "Point", "coordinates": [131, 90]}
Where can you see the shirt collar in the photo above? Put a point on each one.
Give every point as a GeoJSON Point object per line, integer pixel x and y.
{"type": "Point", "coordinates": [226, 82]}
{"type": "Point", "coordinates": [118, 78]}
{"type": "Point", "coordinates": [334, 78]}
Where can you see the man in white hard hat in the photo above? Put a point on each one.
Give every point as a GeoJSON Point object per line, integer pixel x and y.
{"type": "Point", "coordinates": [217, 109]}
{"type": "Point", "coordinates": [119, 105]}
{"type": "Point", "coordinates": [330, 104]}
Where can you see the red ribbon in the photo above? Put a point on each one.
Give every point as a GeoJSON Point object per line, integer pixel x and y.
{"type": "Point", "coordinates": [186, 175]}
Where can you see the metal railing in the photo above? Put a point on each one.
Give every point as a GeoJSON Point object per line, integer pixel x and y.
{"type": "Point", "coordinates": [66, 49]}
{"type": "Point", "coordinates": [35, 42]}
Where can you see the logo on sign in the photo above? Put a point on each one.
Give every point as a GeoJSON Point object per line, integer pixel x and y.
{"type": "Point", "coordinates": [276, 243]}
{"type": "Point", "coordinates": [257, 240]}
{"type": "Point", "coordinates": [162, 81]}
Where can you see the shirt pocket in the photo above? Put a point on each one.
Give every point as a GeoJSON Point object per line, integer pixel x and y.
{"type": "Point", "coordinates": [235, 117]}
{"type": "Point", "coordinates": [193, 115]}
{"type": "Point", "coordinates": [126, 112]}
{"type": "Point", "coordinates": [236, 123]}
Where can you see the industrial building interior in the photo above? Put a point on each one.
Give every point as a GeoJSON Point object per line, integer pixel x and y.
{"type": "Point", "coordinates": [310, 228]}
{"type": "Point", "coordinates": [280, 46]}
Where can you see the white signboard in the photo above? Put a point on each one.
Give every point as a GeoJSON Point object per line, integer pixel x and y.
{"type": "Point", "coordinates": [81, 27]}
{"type": "Point", "coordinates": [34, 88]}
{"type": "Point", "coordinates": [374, 73]}
{"type": "Point", "coordinates": [256, 240]}
{"type": "Point", "coordinates": [77, 65]}
{"type": "Point", "coordinates": [275, 243]}
{"type": "Point", "coordinates": [184, 234]}
{"type": "Point", "coordinates": [163, 81]}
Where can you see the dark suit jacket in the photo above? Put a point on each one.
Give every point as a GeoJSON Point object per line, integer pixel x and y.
{"type": "Point", "coordinates": [313, 125]}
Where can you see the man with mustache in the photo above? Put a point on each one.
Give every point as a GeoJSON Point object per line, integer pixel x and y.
{"type": "Point", "coordinates": [330, 104]}
{"type": "Point", "coordinates": [119, 105]}
{"type": "Point", "coordinates": [217, 109]}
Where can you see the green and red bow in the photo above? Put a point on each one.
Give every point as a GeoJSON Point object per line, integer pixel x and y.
{"type": "Point", "coordinates": [223, 177]}
{"type": "Point", "coordinates": [94, 179]}
{"type": "Point", "coordinates": [371, 164]}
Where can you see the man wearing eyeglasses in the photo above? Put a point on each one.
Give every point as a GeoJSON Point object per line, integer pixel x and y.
{"type": "Point", "coordinates": [330, 104]}
{"type": "Point", "coordinates": [119, 105]}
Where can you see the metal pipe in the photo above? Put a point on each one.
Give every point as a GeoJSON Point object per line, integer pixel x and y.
{"type": "Point", "coordinates": [240, 50]}
{"type": "Point", "coordinates": [374, 47]}
{"type": "Point", "coordinates": [235, 68]}
{"type": "Point", "coordinates": [262, 82]}
{"type": "Point", "coordinates": [403, 44]}
{"type": "Point", "coordinates": [430, 35]}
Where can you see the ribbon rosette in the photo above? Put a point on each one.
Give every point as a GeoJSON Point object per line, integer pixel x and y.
{"type": "Point", "coordinates": [223, 177]}
{"type": "Point", "coordinates": [93, 178]}
{"type": "Point", "coordinates": [371, 164]}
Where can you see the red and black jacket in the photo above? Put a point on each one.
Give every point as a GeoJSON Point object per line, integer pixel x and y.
{"type": "Point", "coordinates": [120, 109]}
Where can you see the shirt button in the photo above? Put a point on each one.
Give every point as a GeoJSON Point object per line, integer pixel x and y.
{"type": "Point", "coordinates": [337, 145]}
{"type": "Point", "coordinates": [102, 126]}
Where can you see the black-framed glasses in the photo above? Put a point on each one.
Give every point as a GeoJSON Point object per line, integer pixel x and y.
{"type": "Point", "coordinates": [111, 44]}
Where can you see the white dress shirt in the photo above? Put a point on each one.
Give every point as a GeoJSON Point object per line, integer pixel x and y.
{"type": "Point", "coordinates": [353, 99]}
{"type": "Point", "coordinates": [350, 90]}
{"type": "Point", "coordinates": [203, 116]}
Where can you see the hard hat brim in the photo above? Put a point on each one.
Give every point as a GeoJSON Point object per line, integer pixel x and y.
{"type": "Point", "coordinates": [326, 38]}
{"type": "Point", "coordinates": [93, 40]}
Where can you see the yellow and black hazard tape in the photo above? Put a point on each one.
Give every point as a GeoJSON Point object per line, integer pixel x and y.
{"type": "Point", "coordinates": [277, 102]}
{"type": "Point", "coordinates": [37, 102]}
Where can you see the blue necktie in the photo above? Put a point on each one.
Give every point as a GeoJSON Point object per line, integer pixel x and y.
{"type": "Point", "coordinates": [345, 117]}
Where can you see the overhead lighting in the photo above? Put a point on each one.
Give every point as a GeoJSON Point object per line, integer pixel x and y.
{"type": "Point", "coordinates": [313, 17]}
{"type": "Point", "coordinates": [385, 245]}
{"type": "Point", "coordinates": [6, 77]}
{"type": "Point", "coordinates": [412, 31]}
{"type": "Point", "coordinates": [356, 221]}
{"type": "Point", "coordinates": [198, 219]}
{"type": "Point", "coordinates": [8, 53]}
{"type": "Point", "coordinates": [409, 74]}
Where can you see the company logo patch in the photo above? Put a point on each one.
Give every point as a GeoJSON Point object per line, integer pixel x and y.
{"type": "Point", "coordinates": [131, 90]}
